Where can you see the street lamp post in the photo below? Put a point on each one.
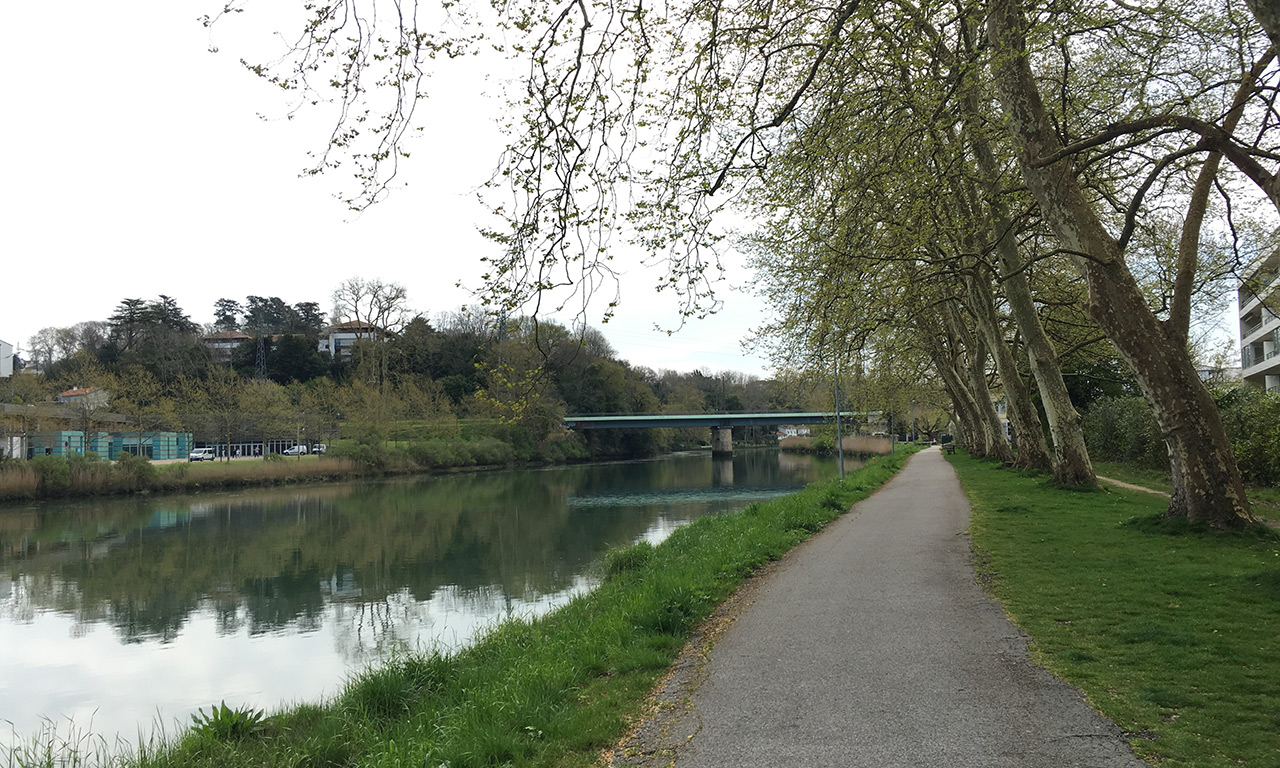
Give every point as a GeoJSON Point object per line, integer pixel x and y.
{"type": "Point", "coordinates": [839, 436]}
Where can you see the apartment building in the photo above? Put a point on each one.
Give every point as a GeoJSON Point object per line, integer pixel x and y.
{"type": "Point", "coordinates": [1259, 295]}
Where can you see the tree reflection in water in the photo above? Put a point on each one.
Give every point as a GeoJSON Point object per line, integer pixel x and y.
{"type": "Point", "coordinates": [377, 566]}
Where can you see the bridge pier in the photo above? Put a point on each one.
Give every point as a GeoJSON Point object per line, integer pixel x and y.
{"type": "Point", "coordinates": [722, 441]}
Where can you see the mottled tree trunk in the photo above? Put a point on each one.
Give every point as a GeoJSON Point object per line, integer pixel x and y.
{"type": "Point", "coordinates": [972, 375]}
{"type": "Point", "coordinates": [1032, 452]}
{"type": "Point", "coordinates": [1071, 465]}
{"type": "Point", "coordinates": [972, 433]}
{"type": "Point", "coordinates": [1206, 481]}
{"type": "Point", "coordinates": [961, 417]}
{"type": "Point", "coordinates": [1267, 12]}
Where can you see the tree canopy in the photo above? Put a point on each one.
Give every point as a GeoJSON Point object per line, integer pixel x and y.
{"type": "Point", "coordinates": [924, 165]}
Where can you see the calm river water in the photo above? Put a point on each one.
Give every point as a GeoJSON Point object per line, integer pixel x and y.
{"type": "Point", "coordinates": [119, 615]}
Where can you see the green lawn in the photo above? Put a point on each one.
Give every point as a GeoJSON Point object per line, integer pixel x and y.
{"type": "Point", "coordinates": [1265, 501]}
{"type": "Point", "coordinates": [1147, 478]}
{"type": "Point", "coordinates": [1172, 631]}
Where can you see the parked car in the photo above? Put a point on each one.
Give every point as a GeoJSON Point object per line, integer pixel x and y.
{"type": "Point", "coordinates": [297, 450]}
{"type": "Point", "coordinates": [202, 454]}
{"type": "Point", "coordinates": [319, 448]}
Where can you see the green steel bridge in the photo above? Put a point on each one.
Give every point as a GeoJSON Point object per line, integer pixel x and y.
{"type": "Point", "coordinates": [721, 424]}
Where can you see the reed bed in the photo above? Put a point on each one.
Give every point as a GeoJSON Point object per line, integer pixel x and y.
{"type": "Point", "coordinates": [863, 444]}
{"type": "Point", "coordinates": [55, 477]}
{"type": "Point", "coordinates": [18, 480]}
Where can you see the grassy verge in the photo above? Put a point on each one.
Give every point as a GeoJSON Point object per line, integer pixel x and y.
{"type": "Point", "coordinates": [1169, 630]}
{"type": "Point", "coordinates": [552, 692]}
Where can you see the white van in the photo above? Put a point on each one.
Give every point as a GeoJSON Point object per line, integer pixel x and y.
{"type": "Point", "coordinates": [202, 454]}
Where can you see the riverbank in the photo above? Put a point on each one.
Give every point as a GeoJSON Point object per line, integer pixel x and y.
{"type": "Point", "coordinates": [52, 477]}
{"type": "Point", "coordinates": [555, 691]}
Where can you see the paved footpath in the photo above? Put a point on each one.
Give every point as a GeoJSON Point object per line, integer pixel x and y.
{"type": "Point", "coordinates": [873, 645]}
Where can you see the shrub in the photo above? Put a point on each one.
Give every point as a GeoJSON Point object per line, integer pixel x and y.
{"type": "Point", "coordinates": [135, 472]}
{"type": "Point", "coordinates": [371, 456]}
{"type": "Point", "coordinates": [432, 453]}
{"type": "Point", "coordinates": [53, 472]}
{"type": "Point", "coordinates": [1124, 430]}
{"type": "Point", "coordinates": [491, 450]}
{"type": "Point", "coordinates": [1252, 420]}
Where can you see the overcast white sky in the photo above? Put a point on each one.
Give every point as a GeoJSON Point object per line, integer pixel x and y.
{"type": "Point", "coordinates": [134, 165]}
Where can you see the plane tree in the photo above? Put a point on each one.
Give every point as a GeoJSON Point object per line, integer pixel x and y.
{"type": "Point", "coordinates": [874, 199]}
{"type": "Point", "coordinates": [1098, 167]}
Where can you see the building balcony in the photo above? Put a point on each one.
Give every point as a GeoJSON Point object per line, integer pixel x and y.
{"type": "Point", "coordinates": [1258, 365]}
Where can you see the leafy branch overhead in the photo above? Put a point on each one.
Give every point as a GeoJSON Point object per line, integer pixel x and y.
{"type": "Point", "coordinates": [366, 61]}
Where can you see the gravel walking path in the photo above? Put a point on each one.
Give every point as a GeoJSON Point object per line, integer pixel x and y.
{"type": "Point", "coordinates": [873, 645]}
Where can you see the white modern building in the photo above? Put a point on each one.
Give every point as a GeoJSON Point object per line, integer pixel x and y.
{"type": "Point", "coordinates": [1259, 295]}
{"type": "Point", "coordinates": [337, 340]}
{"type": "Point", "coordinates": [6, 359]}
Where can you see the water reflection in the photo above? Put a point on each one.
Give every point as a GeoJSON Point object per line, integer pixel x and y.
{"type": "Point", "coordinates": [117, 612]}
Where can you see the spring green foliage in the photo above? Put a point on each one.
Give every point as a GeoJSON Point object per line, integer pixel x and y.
{"type": "Point", "coordinates": [1252, 419]}
{"type": "Point", "coordinates": [551, 692]}
{"type": "Point", "coordinates": [1124, 431]}
{"type": "Point", "coordinates": [1168, 628]}
{"type": "Point", "coordinates": [222, 723]}
{"type": "Point", "coordinates": [53, 473]}
{"type": "Point", "coordinates": [408, 402]}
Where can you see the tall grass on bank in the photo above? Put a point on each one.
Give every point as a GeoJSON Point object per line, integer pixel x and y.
{"type": "Point", "coordinates": [866, 445]}
{"type": "Point", "coordinates": [551, 692]}
{"type": "Point", "coordinates": [45, 477]}
{"type": "Point", "coordinates": [433, 453]}
{"type": "Point", "coordinates": [1171, 630]}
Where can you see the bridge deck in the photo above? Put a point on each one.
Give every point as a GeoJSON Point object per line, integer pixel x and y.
{"type": "Point", "coordinates": [654, 420]}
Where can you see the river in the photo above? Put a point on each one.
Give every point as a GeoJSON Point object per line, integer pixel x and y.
{"type": "Point", "coordinates": [120, 615]}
